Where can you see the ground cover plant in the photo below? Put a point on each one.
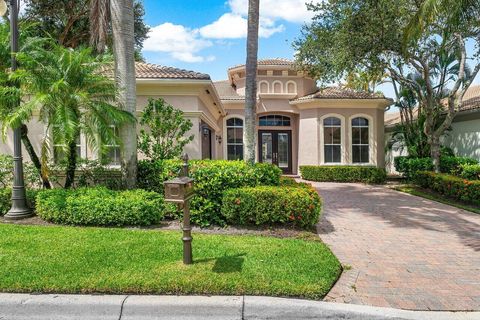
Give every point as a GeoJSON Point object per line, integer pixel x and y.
{"type": "Point", "coordinates": [94, 260]}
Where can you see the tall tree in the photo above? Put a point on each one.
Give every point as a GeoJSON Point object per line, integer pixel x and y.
{"type": "Point", "coordinates": [71, 97]}
{"type": "Point", "coordinates": [251, 80]}
{"type": "Point", "coordinates": [122, 24]}
{"type": "Point", "coordinates": [356, 35]}
{"type": "Point", "coordinates": [68, 21]}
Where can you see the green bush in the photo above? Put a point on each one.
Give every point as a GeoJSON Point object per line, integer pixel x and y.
{"type": "Point", "coordinates": [265, 205]}
{"type": "Point", "coordinates": [6, 199]}
{"type": "Point", "coordinates": [408, 167]}
{"type": "Point", "coordinates": [470, 171]}
{"type": "Point", "coordinates": [100, 207]}
{"type": "Point", "coordinates": [450, 186]}
{"type": "Point", "coordinates": [344, 174]}
{"type": "Point", "coordinates": [212, 177]}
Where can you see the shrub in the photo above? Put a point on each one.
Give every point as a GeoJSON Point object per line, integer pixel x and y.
{"type": "Point", "coordinates": [212, 177]}
{"type": "Point", "coordinates": [297, 205]}
{"type": "Point", "coordinates": [470, 171]}
{"type": "Point", "coordinates": [100, 207]}
{"type": "Point", "coordinates": [6, 199]}
{"type": "Point", "coordinates": [450, 186]}
{"type": "Point", "coordinates": [344, 174]}
{"type": "Point", "coordinates": [448, 164]}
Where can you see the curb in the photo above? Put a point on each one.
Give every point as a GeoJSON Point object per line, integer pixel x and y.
{"type": "Point", "coordinates": [126, 307]}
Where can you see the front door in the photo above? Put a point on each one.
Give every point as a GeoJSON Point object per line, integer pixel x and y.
{"type": "Point", "coordinates": [276, 148]}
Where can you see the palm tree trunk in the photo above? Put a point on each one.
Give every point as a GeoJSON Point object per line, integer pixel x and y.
{"type": "Point", "coordinates": [33, 156]}
{"type": "Point", "coordinates": [71, 164]}
{"type": "Point", "coordinates": [124, 52]}
{"type": "Point", "coordinates": [250, 134]}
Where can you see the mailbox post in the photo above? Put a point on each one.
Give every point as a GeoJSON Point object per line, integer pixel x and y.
{"type": "Point", "coordinates": [180, 191]}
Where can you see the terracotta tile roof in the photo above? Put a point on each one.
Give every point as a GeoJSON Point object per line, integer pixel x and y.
{"type": "Point", "coordinates": [226, 91]}
{"type": "Point", "coordinates": [339, 92]}
{"type": "Point", "coordinates": [153, 71]}
{"type": "Point", "coordinates": [269, 62]}
{"type": "Point", "coordinates": [471, 101]}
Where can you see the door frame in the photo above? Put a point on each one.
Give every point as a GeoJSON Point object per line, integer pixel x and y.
{"type": "Point", "coordinates": [275, 147]}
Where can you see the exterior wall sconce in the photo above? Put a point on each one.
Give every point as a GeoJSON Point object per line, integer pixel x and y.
{"type": "Point", "coordinates": [219, 139]}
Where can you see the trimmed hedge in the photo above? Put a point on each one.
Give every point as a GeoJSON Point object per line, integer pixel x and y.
{"type": "Point", "coordinates": [297, 205]}
{"type": "Point", "coordinates": [448, 164]}
{"type": "Point", "coordinates": [344, 174]}
{"type": "Point", "coordinates": [470, 171]}
{"type": "Point", "coordinates": [100, 207]}
{"type": "Point", "coordinates": [6, 199]}
{"type": "Point", "coordinates": [450, 186]}
{"type": "Point", "coordinates": [212, 178]}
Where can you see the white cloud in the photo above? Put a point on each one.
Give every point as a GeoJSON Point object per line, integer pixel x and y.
{"type": "Point", "coordinates": [180, 42]}
{"type": "Point", "coordinates": [234, 26]}
{"type": "Point", "coordinates": [288, 10]}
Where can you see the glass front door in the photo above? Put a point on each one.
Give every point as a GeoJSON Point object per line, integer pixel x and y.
{"type": "Point", "coordinates": [276, 148]}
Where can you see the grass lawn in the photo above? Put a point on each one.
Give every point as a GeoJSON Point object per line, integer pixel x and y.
{"type": "Point", "coordinates": [427, 194]}
{"type": "Point", "coordinates": [92, 260]}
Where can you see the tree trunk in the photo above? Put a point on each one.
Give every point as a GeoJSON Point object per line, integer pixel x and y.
{"type": "Point", "coordinates": [250, 134]}
{"type": "Point", "coordinates": [71, 164]}
{"type": "Point", "coordinates": [435, 152]}
{"type": "Point", "coordinates": [124, 53]}
{"type": "Point", "coordinates": [33, 156]}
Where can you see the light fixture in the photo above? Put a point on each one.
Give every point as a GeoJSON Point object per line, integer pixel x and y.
{"type": "Point", "coordinates": [3, 8]}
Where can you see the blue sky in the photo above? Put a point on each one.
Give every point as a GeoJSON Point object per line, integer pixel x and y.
{"type": "Point", "coordinates": [209, 35]}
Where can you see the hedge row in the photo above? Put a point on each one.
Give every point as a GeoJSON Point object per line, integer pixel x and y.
{"type": "Point", "coordinates": [470, 171]}
{"type": "Point", "coordinates": [100, 207]}
{"type": "Point", "coordinates": [408, 167]}
{"type": "Point", "coordinates": [6, 199]}
{"type": "Point", "coordinates": [450, 186]}
{"type": "Point", "coordinates": [344, 174]}
{"type": "Point", "coordinates": [212, 178]}
{"type": "Point", "coordinates": [294, 204]}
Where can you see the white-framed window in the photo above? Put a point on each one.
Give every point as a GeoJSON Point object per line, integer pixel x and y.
{"type": "Point", "coordinates": [360, 140]}
{"type": "Point", "coordinates": [234, 134]}
{"type": "Point", "coordinates": [59, 149]}
{"type": "Point", "coordinates": [112, 155]}
{"type": "Point", "coordinates": [277, 87]}
{"type": "Point", "coordinates": [332, 140]}
{"type": "Point", "coordinates": [274, 120]}
{"type": "Point", "coordinates": [264, 87]}
{"type": "Point", "coordinates": [291, 87]}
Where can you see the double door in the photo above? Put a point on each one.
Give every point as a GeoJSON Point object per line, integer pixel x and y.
{"type": "Point", "coordinates": [276, 148]}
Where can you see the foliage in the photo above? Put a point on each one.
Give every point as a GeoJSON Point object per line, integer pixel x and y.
{"type": "Point", "coordinates": [71, 97]}
{"type": "Point", "coordinates": [6, 199]}
{"type": "Point", "coordinates": [167, 129]}
{"type": "Point", "coordinates": [364, 174]}
{"type": "Point", "coordinates": [6, 171]}
{"type": "Point", "coordinates": [269, 205]}
{"type": "Point", "coordinates": [100, 207]}
{"type": "Point", "coordinates": [68, 20]}
{"type": "Point", "coordinates": [91, 260]}
{"type": "Point", "coordinates": [353, 36]}
{"type": "Point", "coordinates": [409, 166]}
{"type": "Point", "coordinates": [470, 171]}
{"type": "Point", "coordinates": [212, 177]}
{"type": "Point", "coordinates": [450, 186]}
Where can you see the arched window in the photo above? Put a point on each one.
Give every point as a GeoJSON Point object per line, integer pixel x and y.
{"type": "Point", "coordinates": [234, 139]}
{"type": "Point", "coordinates": [274, 121]}
{"type": "Point", "coordinates": [360, 140]}
{"type": "Point", "coordinates": [277, 87]}
{"type": "Point", "coordinates": [291, 87]}
{"type": "Point", "coordinates": [264, 87]}
{"type": "Point", "coordinates": [332, 140]}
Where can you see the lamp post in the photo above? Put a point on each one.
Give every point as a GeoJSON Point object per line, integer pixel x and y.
{"type": "Point", "coordinates": [20, 209]}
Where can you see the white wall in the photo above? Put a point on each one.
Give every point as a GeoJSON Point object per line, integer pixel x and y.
{"type": "Point", "coordinates": [464, 139]}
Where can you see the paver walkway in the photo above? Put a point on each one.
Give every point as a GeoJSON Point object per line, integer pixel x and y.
{"type": "Point", "coordinates": [404, 251]}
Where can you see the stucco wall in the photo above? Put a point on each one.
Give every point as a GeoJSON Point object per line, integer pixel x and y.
{"type": "Point", "coordinates": [464, 138]}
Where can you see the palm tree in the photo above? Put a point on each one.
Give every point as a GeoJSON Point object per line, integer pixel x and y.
{"type": "Point", "coordinates": [251, 80]}
{"type": "Point", "coordinates": [71, 96]}
{"type": "Point", "coordinates": [120, 13]}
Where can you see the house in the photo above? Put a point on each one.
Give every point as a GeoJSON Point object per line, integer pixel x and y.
{"type": "Point", "coordinates": [297, 123]}
{"type": "Point", "coordinates": [463, 137]}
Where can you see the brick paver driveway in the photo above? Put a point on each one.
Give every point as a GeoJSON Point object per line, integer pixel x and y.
{"type": "Point", "coordinates": [404, 251]}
